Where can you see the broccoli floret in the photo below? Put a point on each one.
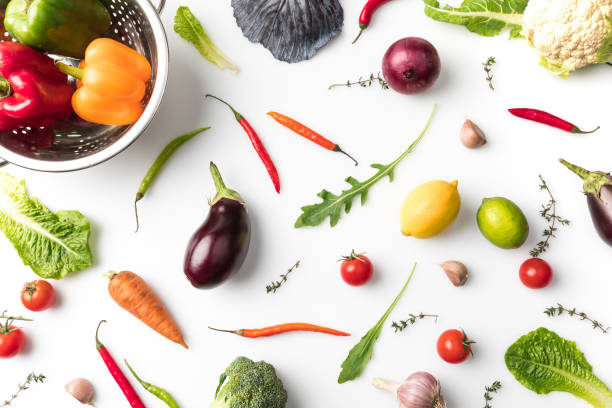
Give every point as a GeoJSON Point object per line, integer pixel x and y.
{"type": "Point", "coordinates": [249, 385]}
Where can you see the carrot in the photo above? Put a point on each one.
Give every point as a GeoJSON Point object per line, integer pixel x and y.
{"type": "Point", "coordinates": [133, 294]}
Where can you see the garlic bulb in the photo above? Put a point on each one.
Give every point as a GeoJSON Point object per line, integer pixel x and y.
{"type": "Point", "coordinates": [419, 390]}
{"type": "Point", "coordinates": [456, 272]}
{"type": "Point", "coordinates": [82, 390]}
{"type": "Point", "coordinates": [471, 135]}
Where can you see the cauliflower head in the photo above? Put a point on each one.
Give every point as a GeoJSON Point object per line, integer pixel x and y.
{"type": "Point", "coordinates": [569, 34]}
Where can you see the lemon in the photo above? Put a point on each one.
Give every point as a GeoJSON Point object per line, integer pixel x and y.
{"type": "Point", "coordinates": [430, 208]}
{"type": "Point", "coordinates": [502, 222]}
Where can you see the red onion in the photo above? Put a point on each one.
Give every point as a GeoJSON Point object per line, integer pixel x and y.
{"type": "Point", "coordinates": [411, 65]}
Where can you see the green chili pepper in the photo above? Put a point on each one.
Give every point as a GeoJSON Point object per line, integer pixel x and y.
{"type": "Point", "coordinates": [159, 163]}
{"type": "Point", "coordinates": [155, 390]}
{"type": "Point", "coordinates": [63, 27]}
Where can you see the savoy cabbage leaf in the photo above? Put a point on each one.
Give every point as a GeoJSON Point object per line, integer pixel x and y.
{"type": "Point", "coordinates": [544, 362]}
{"type": "Point", "coordinates": [53, 245]}
{"type": "Point", "coordinates": [484, 17]}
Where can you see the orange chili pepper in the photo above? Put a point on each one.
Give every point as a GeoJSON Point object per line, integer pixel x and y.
{"type": "Point", "coordinates": [308, 133]}
{"type": "Point", "coordinates": [112, 83]}
{"type": "Point", "coordinates": [283, 328]}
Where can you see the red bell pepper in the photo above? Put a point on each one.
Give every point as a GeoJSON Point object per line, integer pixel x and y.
{"type": "Point", "coordinates": [36, 93]}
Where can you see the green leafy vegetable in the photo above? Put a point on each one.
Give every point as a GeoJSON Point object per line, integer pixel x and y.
{"type": "Point", "coordinates": [53, 245]}
{"type": "Point", "coordinates": [190, 29]}
{"type": "Point", "coordinates": [360, 355]}
{"type": "Point", "coordinates": [484, 17]}
{"type": "Point", "coordinates": [332, 204]}
{"type": "Point", "coordinates": [544, 362]}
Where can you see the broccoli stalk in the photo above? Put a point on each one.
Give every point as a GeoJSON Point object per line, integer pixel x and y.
{"type": "Point", "coordinates": [249, 384]}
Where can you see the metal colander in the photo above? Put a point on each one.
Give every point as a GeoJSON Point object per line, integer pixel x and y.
{"type": "Point", "coordinates": [74, 144]}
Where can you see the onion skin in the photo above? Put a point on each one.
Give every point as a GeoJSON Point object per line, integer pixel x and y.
{"type": "Point", "coordinates": [411, 65]}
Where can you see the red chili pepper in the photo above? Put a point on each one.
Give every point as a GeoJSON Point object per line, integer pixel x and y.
{"type": "Point", "coordinates": [547, 119]}
{"type": "Point", "coordinates": [120, 379]}
{"type": "Point", "coordinates": [366, 15]}
{"type": "Point", "coordinates": [282, 328]}
{"type": "Point", "coordinates": [34, 92]}
{"type": "Point", "coordinates": [308, 133]}
{"type": "Point", "coordinates": [257, 144]}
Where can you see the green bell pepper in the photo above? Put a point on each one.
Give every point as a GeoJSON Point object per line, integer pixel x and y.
{"type": "Point", "coordinates": [63, 27]}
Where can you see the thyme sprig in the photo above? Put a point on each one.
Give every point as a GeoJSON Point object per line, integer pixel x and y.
{"type": "Point", "coordinates": [22, 387]}
{"type": "Point", "coordinates": [364, 82]}
{"type": "Point", "coordinates": [492, 389]}
{"type": "Point", "coordinates": [549, 213]}
{"type": "Point", "coordinates": [274, 286]}
{"type": "Point", "coordinates": [488, 68]}
{"type": "Point", "coordinates": [560, 309]}
{"type": "Point", "coordinates": [412, 319]}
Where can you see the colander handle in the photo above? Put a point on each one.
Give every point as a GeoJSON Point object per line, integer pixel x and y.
{"type": "Point", "coordinates": [3, 163]}
{"type": "Point", "coordinates": [160, 5]}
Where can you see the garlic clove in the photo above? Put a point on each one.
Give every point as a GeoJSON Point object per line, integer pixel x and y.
{"type": "Point", "coordinates": [82, 390]}
{"type": "Point", "coordinates": [471, 135]}
{"type": "Point", "coordinates": [456, 271]}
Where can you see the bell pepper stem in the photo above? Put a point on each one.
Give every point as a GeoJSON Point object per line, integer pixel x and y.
{"type": "Point", "coordinates": [70, 70]}
{"type": "Point", "coordinates": [5, 88]}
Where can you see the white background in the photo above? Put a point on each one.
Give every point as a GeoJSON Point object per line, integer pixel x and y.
{"type": "Point", "coordinates": [375, 126]}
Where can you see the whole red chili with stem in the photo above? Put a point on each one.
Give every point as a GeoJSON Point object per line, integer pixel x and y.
{"type": "Point", "coordinates": [120, 378]}
{"type": "Point", "coordinates": [308, 133]}
{"type": "Point", "coordinates": [257, 144]}
{"type": "Point", "coordinates": [366, 15]}
{"type": "Point", "coordinates": [547, 119]}
{"type": "Point", "coordinates": [282, 328]}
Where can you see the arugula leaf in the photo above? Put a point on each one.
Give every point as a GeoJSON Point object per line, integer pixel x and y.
{"type": "Point", "coordinates": [189, 28]}
{"type": "Point", "coordinates": [484, 17]}
{"type": "Point", "coordinates": [332, 204]}
{"type": "Point", "coordinates": [544, 362]}
{"type": "Point", "coordinates": [360, 355]}
{"type": "Point", "coordinates": [53, 245]}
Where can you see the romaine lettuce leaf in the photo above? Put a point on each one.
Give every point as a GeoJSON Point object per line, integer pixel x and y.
{"type": "Point", "coordinates": [544, 362]}
{"type": "Point", "coordinates": [484, 17]}
{"type": "Point", "coordinates": [53, 245]}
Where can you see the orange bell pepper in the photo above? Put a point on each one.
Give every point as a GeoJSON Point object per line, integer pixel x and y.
{"type": "Point", "coordinates": [112, 83]}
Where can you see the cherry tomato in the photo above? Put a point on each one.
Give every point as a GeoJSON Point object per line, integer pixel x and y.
{"type": "Point", "coordinates": [356, 269]}
{"type": "Point", "coordinates": [535, 273]}
{"type": "Point", "coordinates": [12, 341]}
{"type": "Point", "coordinates": [454, 346]}
{"type": "Point", "coordinates": [38, 295]}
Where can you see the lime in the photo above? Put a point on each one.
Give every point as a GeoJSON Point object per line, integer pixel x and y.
{"type": "Point", "coordinates": [502, 222]}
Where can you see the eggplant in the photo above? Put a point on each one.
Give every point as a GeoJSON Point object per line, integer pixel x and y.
{"type": "Point", "coordinates": [598, 190]}
{"type": "Point", "coordinates": [218, 248]}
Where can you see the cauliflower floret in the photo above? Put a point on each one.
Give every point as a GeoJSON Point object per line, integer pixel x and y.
{"type": "Point", "coordinates": [569, 34]}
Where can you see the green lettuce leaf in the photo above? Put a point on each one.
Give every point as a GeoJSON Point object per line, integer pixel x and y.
{"type": "Point", "coordinates": [484, 17]}
{"type": "Point", "coordinates": [544, 362]}
{"type": "Point", "coordinates": [190, 29]}
{"type": "Point", "coordinates": [53, 245]}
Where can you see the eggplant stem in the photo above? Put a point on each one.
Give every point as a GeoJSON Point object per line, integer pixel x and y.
{"type": "Point", "coordinates": [222, 190]}
{"type": "Point", "coordinates": [385, 385]}
{"type": "Point", "coordinates": [581, 172]}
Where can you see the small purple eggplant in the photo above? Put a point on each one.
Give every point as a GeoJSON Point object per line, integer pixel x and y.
{"type": "Point", "coordinates": [598, 189]}
{"type": "Point", "coordinates": [218, 248]}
